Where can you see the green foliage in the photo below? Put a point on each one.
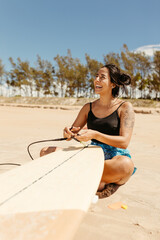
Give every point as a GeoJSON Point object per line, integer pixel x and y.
{"type": "Point", "coordinates": [1, 69]}
{"type": "Point", "coordinates": [71, 75]}
{"type": "Point", "coordinates": [113, 58]}
{"type": "Point", "coordinates": [2, 72]}
{"type": "Point", "coordinates": [155, 84]}
{"type": "Point", "coordinates": [68, 77]}
{"type": "Point", "coordinates": [93, 66]}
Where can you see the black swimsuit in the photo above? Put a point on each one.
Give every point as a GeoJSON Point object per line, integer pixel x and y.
{"type": "Point", "coordinates": [109, 125]}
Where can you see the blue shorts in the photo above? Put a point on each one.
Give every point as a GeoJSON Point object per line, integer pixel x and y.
{"type": "Point", "coordinates": [110, 152]}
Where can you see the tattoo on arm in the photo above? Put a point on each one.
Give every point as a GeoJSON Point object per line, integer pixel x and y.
{"type": "Point", "coordinates": [128, 117]}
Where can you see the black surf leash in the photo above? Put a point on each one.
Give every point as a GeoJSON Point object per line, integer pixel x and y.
{"type": "Point", "coordinates": [49, 140]}
{"type": "Point", "coordinates": [28, 148]}
{"type": "Point", "coordinates": [14, 164]}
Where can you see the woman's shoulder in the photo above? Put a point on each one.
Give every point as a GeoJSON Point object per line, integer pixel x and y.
{"type": "Point", "coordinates": [126, 107]}
{"type": "Point", "coordinates": [86, 107]}
{"type": "Point", "coordinates": [126, 104]}
{"type": "Point", "coordinates": [89, 104]}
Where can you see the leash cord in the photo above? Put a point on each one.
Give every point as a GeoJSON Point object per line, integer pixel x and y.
{"type": "Point", "coordinates": [17, 164]}
{"type": "Point", "coordinates": [49, 140]}
{"type": "Point", "coordinates": [14, 164]}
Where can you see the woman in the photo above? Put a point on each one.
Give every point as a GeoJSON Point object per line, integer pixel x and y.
{"type": "Point", "coordinates": [110, 124]}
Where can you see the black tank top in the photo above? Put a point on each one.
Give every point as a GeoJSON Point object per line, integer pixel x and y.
{"type": "Point", "coordinates": [108, 125]}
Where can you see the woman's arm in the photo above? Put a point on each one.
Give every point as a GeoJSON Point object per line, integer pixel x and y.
{"type": "Point", "coordinates": [79, 123]}
{"type": "Point", "coordinates": [81, 119]}
{"type": "Point", "coordinates": [126, 128]}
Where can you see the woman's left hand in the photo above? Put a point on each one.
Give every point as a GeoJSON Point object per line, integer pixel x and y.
{"type": "Point", "coordinates": [85, 135]}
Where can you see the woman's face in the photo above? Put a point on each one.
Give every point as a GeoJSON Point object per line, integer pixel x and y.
{"type": "Point", "coordinates": [102, 82]}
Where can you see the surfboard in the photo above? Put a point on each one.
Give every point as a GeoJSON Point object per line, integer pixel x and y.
{"type": "Point", "coordinates": [47, 198]}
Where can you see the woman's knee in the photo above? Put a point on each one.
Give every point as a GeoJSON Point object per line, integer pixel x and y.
{"type": "Point", "coordinates": [117, 170]}
{"type": "Point", "coordinates": [125, 167]}
{"type": "Point", "coordinates": [128, 166]}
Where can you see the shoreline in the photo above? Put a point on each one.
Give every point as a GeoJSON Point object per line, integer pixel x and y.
{"type": "Point", "coordinates": [143, 110]}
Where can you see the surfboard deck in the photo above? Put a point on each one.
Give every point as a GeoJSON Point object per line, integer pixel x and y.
{"type": "Point", "coordinates": [48, 197]}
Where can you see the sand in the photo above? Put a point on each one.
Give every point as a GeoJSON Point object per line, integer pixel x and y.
{"type": "Point", "coordinates": [141, 220]}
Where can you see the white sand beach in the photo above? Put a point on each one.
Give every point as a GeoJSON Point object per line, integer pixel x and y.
{"type": "Point", "coordinates": [21, 126]}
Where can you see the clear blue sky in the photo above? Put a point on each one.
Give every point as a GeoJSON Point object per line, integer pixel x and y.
{"type": "Point", "coordinates": [49, 27]}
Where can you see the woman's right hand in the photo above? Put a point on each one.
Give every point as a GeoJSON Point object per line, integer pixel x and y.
{"type": "Point", "coordinates": [69, 133]}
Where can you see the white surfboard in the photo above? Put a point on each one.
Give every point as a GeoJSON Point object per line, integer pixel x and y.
{"type": "Point", "coordinates": [46, 199]}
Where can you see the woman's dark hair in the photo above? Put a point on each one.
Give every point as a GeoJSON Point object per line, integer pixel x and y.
{"type": "Point", "coordinates": [118, 78]}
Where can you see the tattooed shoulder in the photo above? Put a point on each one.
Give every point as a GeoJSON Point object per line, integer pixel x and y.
{"type": "Point", "coordinates": [127, 115]}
